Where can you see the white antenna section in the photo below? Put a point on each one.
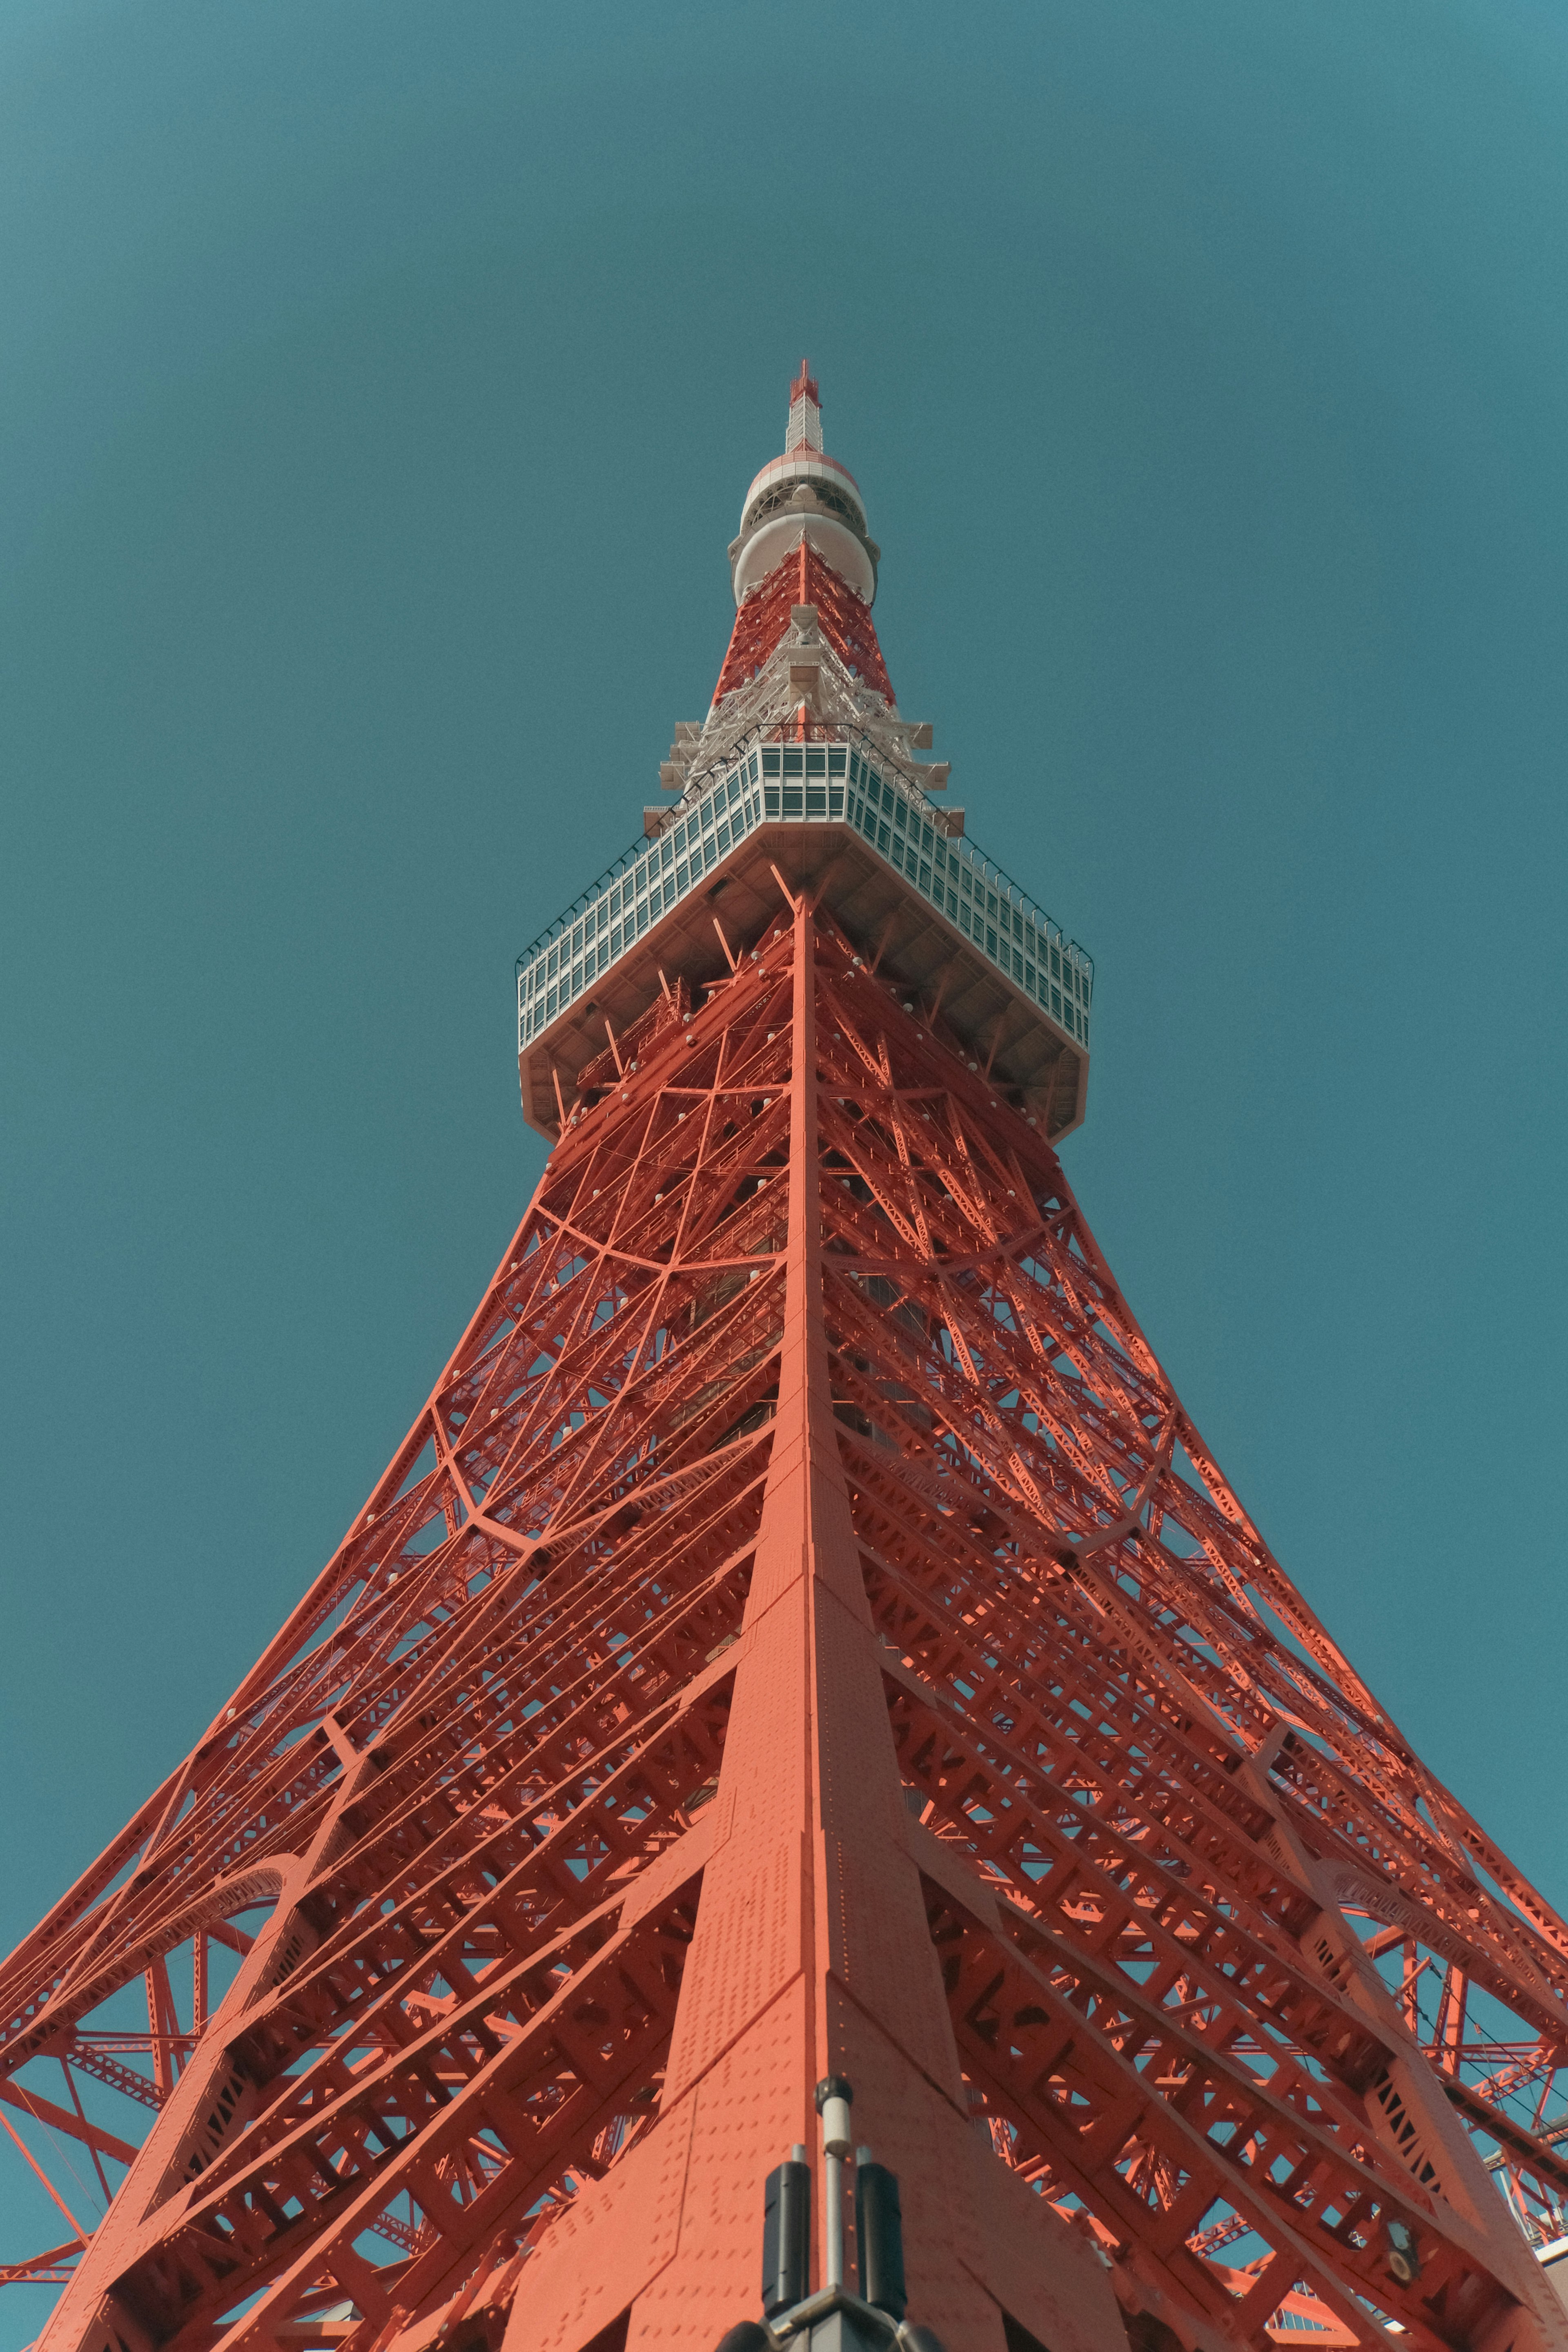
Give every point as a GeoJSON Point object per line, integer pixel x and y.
{"type": "Point", "coordinates": [804, 430]}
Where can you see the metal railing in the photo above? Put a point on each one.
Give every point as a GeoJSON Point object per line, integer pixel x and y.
{"type": "Point", "coordinates": [763, 782]}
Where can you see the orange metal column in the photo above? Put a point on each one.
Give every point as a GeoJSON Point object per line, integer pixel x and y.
{"type": "Point", "coordinates": [812, 1954]}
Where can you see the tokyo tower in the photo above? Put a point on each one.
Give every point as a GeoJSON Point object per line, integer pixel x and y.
{"type": "Point", "coordinates": [803, 1810]}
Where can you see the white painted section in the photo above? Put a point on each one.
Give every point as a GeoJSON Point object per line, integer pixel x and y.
{"type": "Point", "coordinates": [805, 424]}
{"type": "Point", "coordinates": [833, 541]}
{"type": "Point", "coordinates": [801, 468]}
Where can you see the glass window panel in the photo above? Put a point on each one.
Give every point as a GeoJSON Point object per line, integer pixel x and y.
{"type": "Point", "coordinates": [816, 800]}
{"type": "Point", "coordinates": [836, 763]}
{"type": "Point", "coordinates": [794, 763]}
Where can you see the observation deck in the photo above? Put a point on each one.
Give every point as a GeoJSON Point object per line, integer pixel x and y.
{"type": "Point", "coordinates": [937, 920]}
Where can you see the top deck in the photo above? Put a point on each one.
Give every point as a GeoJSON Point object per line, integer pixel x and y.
{"type": "Point", "coordinates": [893, 871]}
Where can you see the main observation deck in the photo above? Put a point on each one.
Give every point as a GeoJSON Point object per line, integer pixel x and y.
{"type": "Point", "coordinates": [943, 923]}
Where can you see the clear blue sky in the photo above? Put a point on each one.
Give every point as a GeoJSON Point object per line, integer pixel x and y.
{"type": "Point", "coordinates": [380, 384]}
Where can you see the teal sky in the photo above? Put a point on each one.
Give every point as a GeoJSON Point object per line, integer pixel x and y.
{"type": "Point", "coordinates": [378, 387]}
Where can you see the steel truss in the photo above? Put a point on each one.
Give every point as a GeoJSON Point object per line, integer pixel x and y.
{"type": "Point", "coordinates": [803, 1630]}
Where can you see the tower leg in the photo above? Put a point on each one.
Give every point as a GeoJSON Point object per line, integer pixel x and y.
{"type": "Point", "coordinates": [811, 1955]}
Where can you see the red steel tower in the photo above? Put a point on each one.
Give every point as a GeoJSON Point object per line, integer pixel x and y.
{"type": "Point", "coordinates": [802, 1643]}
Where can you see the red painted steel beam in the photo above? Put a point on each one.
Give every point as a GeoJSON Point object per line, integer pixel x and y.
{"type": "Point", "coordinates": [803, 577]}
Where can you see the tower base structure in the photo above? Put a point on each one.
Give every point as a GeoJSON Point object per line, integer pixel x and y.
{"type": "Point", "coordinates": [810, 1663]}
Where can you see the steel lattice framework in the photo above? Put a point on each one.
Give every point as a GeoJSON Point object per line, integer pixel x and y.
{"type": "Point", "coordinates": [764, 617]}
{"type": "Point", "coordinates": [802, 1631]}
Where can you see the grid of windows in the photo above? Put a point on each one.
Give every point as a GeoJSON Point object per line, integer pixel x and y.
{"type": "Point", "coordinates": [809, 782]}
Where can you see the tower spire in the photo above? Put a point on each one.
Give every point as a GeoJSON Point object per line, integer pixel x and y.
{"type": "Point", "coordinates": [804, 430]}
{"type": "Point", "coordinates": [803, 541]}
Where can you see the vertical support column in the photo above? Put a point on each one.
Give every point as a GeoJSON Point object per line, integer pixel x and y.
{"type": "Point", "coordinates": [811, 1955]}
